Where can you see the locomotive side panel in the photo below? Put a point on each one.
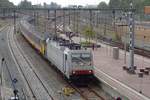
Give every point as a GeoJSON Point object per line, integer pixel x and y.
{"type": "Point", "coordinates": [55, 56]}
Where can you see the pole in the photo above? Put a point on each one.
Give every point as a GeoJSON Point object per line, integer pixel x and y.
{"type": "Point", "coordinates": [69, 17]}
{"type": "Point", "coordinates": [78, 21]}
{"type": "Point", "coordinates": [96, 34]}
{"type": "Point", "coordinates": [90, 19]}
{"type": "Point", "coordinates": [77, 31]}
{"type": "Point", "coordinates": [125, 43]}
{"type": "Point", "coordinates": [114, 24]}
{"type": "Point", "coordinates": [45, 22]}
{"type": "Point", "coordinates": [55, 23]}
{"type": "Point", "coordinates": [4, 13]}
{"type": "Point", "coordinates": [143, 50]}
{"type": "Point", "coordinates": [74, 20]}
{"type": "Point", "coordinates": [91, 23]}
{"type": "Point", "coordinates": [48, 18]}
{"type": "Point", "coordinates": [125, 48]}
{"type": "Point", "coordinates": [2, 62]}
{"type": "Point", "coordinates": [48, 14]}
{"type": "Point", "coordinates": [34, 14]}
{"type": "Point", "coordinates": [131, 32]}
{"type": "Point", "coordinates": [37, 18]}
{"type": "Point", "coordinates": [104, 27]}
{"type": "Point", "coordinates": [64, 21]}
{"type": "Point", "coordinates": [14, 21]}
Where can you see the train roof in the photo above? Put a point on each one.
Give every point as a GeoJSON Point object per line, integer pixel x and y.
{"type": "Point", "coordinates": [31, 28]}
{"type": "Point", "coordinates": [66, 46]}
{"type": "Point", "coordinates": [66, 43]}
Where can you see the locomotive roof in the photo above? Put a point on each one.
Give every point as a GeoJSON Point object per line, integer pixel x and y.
{"type": "Point", "coordinates": [66, 43]}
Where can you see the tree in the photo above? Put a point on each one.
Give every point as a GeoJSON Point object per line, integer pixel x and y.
{"type": "Point", "coordinates": [25, 4]}
{"type": "Point", "coordinates": [45, 5]}
{"type": "Point", "coordinates": [124, 3]}
{"type": "Point", "coordinates": [114, 3]}
{"type": "Point", "coordinates": [51, 5]}
{"type": "Point", "coordinates": [102, 5]}
{"type": "Point", "coordinates": [146, 2]}
{"type": "Point", "coordinates": [6, 3]}
{"type": "Point", "coordinates": [88, 32]}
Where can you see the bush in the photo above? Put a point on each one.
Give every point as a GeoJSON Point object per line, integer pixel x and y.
{"type": "Point", "coordinates": [86, 44]}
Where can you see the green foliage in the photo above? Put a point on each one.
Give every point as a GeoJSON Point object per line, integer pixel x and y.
{"type": "Point", "coordinates": [5, 4]}
{"type": "Point", "coordinates": [115, 3]}
{"type": "Point", "coordinates": [138, 4]}
{"type": "Point", "coordinates": [102, 5]}
{"type": "Point", "coordinates": [86, 43]}
{"type": "Point", "coordinates": [51, 5]}
{"type": "Point", "coordinates": [115, 37]}
{"type": "Point", "coordinates": [124, 3]}
{"type": "Point", "coordinates": [25, 4]}
{"type": "Point", "coordinates": [88, 32]}
{"type": "Point", "coordinates": [147, 2]}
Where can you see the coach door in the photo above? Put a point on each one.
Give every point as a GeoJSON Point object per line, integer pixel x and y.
{"type": "Point", "coordinates": [42, 46]}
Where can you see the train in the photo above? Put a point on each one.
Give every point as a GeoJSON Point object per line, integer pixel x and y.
{"type": "Point", "coordinates": [69, 58]}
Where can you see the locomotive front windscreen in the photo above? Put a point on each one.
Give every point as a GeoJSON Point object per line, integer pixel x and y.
{"type": "Point", "coordinates": [81, 59]}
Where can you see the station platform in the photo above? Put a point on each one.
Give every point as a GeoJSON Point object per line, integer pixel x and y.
{"type": "Point", "coordinates": [118, 78]}
{"type": "Point", "coordinates": [111, 71]}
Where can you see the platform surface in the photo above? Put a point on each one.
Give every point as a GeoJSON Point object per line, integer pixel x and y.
{"type": "Point", "coordinates": [103, 60]}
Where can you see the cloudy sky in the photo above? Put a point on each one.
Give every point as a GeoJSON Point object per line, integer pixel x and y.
{"type": "Point", "coordinates": [64, 2]}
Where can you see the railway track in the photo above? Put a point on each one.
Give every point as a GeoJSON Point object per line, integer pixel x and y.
{"type": "Point", "coordinates": [87, 93]}
{"type": "Point", "coordinates": [34, 71]}
{"type": "Point", "coordinates": [97, 94]}
{"type": "Point", "coordinates": [34, 95]}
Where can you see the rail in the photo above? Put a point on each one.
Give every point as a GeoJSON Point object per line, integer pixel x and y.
{"type": "Point", "coordinates": [10, 38]}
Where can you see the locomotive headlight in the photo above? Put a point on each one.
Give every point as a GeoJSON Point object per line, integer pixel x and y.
{"type": "Point", "coordinates": [73, 72]}
{"type": "Point", "coordinates": [90, 71]}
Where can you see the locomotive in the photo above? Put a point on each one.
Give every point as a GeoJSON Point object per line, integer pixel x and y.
{"type": "Point", "coordinates": [69, 58]}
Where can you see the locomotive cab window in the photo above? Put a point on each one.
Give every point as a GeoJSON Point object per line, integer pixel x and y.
{"type": "Point", "coordinates": [86, 57]}
{"type": "Point", "coordinates": [81, 59]}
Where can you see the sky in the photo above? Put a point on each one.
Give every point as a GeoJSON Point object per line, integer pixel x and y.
{"type": "Point", "coordinates": [64, 2]}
